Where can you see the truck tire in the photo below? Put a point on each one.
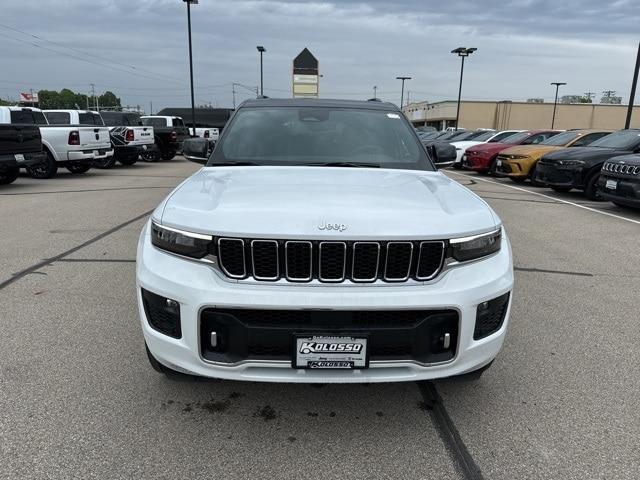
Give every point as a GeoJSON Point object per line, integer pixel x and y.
{"type": "Point", "coordinates": [78, 168]}
{"type": "Point", "coordinates": [105, 163]}
{"type": "Point", "coordinates": [151, 156]}
{"type": "Point", "coordinates": [168, 154]}
{"type": "Point", "coordinates": [8, 175]}
{"type": "Point", "coordinates": [128, 159]}
{"type": "Point", "coordinates": [47, 169]}
{"type": "Point", "coordinates": [591, 188]}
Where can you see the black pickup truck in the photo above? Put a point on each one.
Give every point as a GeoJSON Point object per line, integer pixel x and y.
{"type": "Point", "coordinates": [169, 134]}
{"type": "Point", "coordinates": [20, 146]}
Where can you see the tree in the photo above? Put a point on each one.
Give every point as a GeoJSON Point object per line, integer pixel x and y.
{"type": "Point", "coordinates": [109, 99]}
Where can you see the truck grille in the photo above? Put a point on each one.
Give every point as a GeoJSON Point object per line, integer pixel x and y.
{"type": "Point", "coordinates": [330, 261]}
{"type": "Point", "coordinates": [621, 168]}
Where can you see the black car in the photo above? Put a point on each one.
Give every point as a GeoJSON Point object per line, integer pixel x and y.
{"type": "Point", "coordinates": [20, 147]}
{"type": "Point", "coordinates": [620, 181]}
{"type": "Point", "coordinates": [443, 152]}
{"type": "Point", "coordinates": [580, 167]}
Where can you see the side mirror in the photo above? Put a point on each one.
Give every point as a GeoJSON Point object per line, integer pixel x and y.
{"type": "Point", "coordinates": [433, 153]}
{"type": "Point", "coordinates": [196, 150]}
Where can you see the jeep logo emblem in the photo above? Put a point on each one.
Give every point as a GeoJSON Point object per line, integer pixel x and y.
{"type": "Point", "coordinates": [340, 227]}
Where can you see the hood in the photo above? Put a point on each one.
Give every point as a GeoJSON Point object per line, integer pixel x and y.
{"type": "Point", "coordinates": [586, 154]}
{"type": "Point", "coordinates": [533, 151]}
{"type": "Point", "coordinates": [466, 144]}
{"type": "Point", "coordinates": [489, 148]}
{"type": "Point", "coordinates": [297, 202]}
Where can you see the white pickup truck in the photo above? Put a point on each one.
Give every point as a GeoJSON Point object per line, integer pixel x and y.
{"type": "Point", "coordinates": [72, 146]}
{"type": "Point", "coordinates": [129, 138]}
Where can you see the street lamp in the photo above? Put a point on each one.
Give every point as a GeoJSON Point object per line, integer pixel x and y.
{"type": "Point", "coordinates": [632, 97]}
{"type": "Point", "coordinates": [555, 102]}
{"type": "Point", "coordinates": [193, 103]}
{"type": "Point", "coordinates": [402, 91]}
{"type": "Point", "coordinates": [462, 52]}
{"type": "Point", "coordinates": [261, 50]}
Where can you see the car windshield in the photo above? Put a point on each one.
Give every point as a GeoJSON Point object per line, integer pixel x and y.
{"type": "Point", "coordinates": [622, 139]}
{"type": "Point", "coordinates": [116, 119]}
{"type": "Point", "coordinates": [155, 122]}
{"type": "Point", "coordinates": [516, 138]}
{"type": "Point", "coordinates": [309, 135]}
{"type": "Point", "coordinates": [89, 118]}
{"type": "Point", "coordinates": [561, 139]}
{"type": "Point", "coordinates": [484, 136]}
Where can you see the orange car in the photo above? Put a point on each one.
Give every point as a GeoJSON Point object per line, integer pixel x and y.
{"type": "Point", "coordinates": [519, 162]}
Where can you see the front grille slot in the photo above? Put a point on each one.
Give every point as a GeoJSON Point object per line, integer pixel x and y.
{"type": "Point", "coordinates": [232, 257]}
{"type": "Point", "coordinates": [398, 262]}
{"type": "Point", "coordinates": [299, 261]}
{"type": "Point", "coordinates": [330, 261]}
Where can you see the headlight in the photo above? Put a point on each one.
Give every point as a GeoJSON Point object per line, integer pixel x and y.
{"type": "Point", "coordinates": [570, 162]}
{"type": "Point", "coordinates": [470, 248]}
{"type": "Point", "coordinates": [194, 245]}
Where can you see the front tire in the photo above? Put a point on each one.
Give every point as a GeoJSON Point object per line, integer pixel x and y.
{"type": "Point", "coordinates": [78, 168]}
{"type": "Point", "coordinates": [47, 169]}
{"type": "Point", "coordinates": [591, 189]}
{"type": "Point", "coordinates": [9, 175]}
{"type": "Point", "coordinates": [105, 163]}
{"type": "Point", "coordinates": [561, 189]}
{"type": "Point", "coordinates": [128, 160]}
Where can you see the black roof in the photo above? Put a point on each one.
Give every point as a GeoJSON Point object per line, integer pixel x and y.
{"type": "Point", "coordinates": [317, 102]}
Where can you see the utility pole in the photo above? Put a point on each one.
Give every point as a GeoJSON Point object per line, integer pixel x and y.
{"type": "Point", "coordinates": [555, 102]}
{"type": "Point", "coordinates": [93, 94]}
{"type": "Point", "coordinates": [375, 90]}
{"type": "Point", "coordinates": [151, 107]}
{"type": "Point", "coordinates": [632, 97]}
{"type": "Point", "coordinates": [233, 92]}
{"type": "Point", "coordinates": [408, 97]}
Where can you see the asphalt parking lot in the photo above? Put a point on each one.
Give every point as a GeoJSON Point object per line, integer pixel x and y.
{"type": "Point", "coordinates": [78, 398]}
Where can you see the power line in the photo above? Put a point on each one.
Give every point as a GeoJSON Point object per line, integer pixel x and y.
{"type": "Point", "coordinates": [91, 55]}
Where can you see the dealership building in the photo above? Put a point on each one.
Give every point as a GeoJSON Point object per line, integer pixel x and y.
{"type": "Point", "coordinates": [504, 115]}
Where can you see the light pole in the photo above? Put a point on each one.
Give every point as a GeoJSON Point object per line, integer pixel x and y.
{"type": "Point", "coordinates": [633, 90]}
{"type": "Point", "coordinates": [462, 52]}
{"type": "Point", "coordinates": [193, 103]}
{"type": "Point", "coordinates": [402, 90]}
{"type": "Point", "coordinates": [375, 91]}
{"type": "Point", "coordinates": [555, 102]}
{"type": "Point", "coordinates": [261, 50]}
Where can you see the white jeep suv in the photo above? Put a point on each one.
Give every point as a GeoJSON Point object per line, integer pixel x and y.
{"type": "Point", "coordinates": [320, 244]}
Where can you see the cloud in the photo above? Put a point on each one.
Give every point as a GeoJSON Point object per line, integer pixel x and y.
{"type": "Point", "coordinates": [522, 46]}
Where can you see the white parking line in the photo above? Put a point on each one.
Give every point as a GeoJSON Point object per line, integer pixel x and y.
{"type": "Point", "coordinates": [620, 217]}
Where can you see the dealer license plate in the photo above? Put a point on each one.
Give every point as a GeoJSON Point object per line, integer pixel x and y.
{"type": "Point", "coordinates": [498, 163]}
{"type": "Point", "coordinates": [319, 352]}
{"type": "Point", "coordinates": [611, 184]}
{"type": "Point", "coordinates": [19, 157]}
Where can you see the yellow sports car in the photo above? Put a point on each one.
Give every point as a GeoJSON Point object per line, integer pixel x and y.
{"type": "Point", "coordinates": [519, 162]}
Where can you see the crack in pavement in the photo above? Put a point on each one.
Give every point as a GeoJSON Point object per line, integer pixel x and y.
{"type": "Point", "coordinates": [559, 272]}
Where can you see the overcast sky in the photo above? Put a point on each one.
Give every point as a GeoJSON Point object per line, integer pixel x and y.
{"type": "Point", "coordinates": [139, 47]}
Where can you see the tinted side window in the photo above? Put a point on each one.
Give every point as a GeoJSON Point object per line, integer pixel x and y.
{"type": "Point", "coordinates": [58, 118]}
{"type": "Point", "coordinates": [177, 122]}
{"type": "Point", "coordinates": [540, 137]}
{"type": "Point", "coordinates": [499, 137]}
{"type": "Point", "coordinates": [22, 116]}
{"type": "Point", "coordinates": [588, 138]}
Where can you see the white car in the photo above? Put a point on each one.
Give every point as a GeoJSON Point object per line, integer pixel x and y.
{"type": "Point", "coordinates": [75, 147]}
{"type": "Point", "coordinates": [336, 254]}
{"type": "Point", "coordinates": [490, 136]}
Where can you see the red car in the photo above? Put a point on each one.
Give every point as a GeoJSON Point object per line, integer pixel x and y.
{"type": "Point", "coordinates": [482, 158]}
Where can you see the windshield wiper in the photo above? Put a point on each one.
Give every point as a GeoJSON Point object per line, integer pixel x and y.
{"type": "Point", "coordinates": [344, 164]}
{"type": "Point", "coordinates": [234, 164]}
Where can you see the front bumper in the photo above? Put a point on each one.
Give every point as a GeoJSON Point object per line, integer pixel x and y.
{"type": "Point", "coordinates": [22, 160]}
{"type": "Point", "coordinates": [626, 191]}
{"type": "Point", "coordinates": [478, 163]}
{"type": "Point", "coordinates": [198, 287]}
{"type": "Point", "coordinates": [554, 175]}
{"type": "Point", "coordinates": [516, 168]}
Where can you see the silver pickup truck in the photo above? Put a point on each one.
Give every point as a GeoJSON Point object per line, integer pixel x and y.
{"type": "Point", "coordinates": [75, 147]}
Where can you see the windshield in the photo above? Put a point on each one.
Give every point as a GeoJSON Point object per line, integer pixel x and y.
{"type": "Point", "coordinates": [313, 135]}
{"type": "Point", "coordinates": [516, 138]}
{"type": "Point", "coordinates": [154, 122]}
{"type": "Point", "coordinates": [561, 139]}
{"type": "Point", "coordinates": [484, 136]}
{"type": "Point", "coordinates": [90, 118]}
{"type": "Point", "coordinates": [622, 139]}
{"type": "Point", "coordinates": [116, 119]}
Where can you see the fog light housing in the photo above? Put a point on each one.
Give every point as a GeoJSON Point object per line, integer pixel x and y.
{"type": "Point", "coordinates": [163, 314]}
{"type": "Point", "coordinates": [490, 316]}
